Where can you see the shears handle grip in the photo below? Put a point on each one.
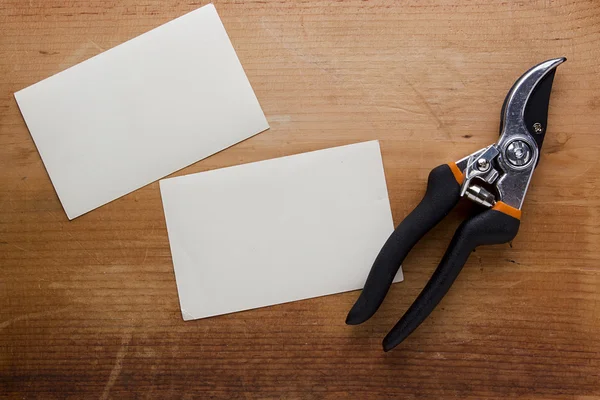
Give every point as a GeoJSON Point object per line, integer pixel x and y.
{"type": "Point", "coordinates": [494, 226]}
{"type": "Point", "coordinates": [443, 192]}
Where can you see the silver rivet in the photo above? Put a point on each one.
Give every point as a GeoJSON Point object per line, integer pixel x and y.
{"type": "Point", "coordinates": [537, 127]}
{"type": "Point", "coordinates": [483, 164]}
{"type": "Point", "coordinates": [518, 153]}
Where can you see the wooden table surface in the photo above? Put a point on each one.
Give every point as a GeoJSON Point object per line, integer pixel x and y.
{"type": "Point", "coordinates": [89, 308]}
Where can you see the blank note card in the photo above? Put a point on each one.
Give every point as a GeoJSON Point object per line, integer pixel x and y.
{"type": "Point", "coordinates": [140, 111]}
{"type": "Point", "coordinates": [276, 231]}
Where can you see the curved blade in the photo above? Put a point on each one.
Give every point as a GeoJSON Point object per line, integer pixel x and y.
{"type": "Point", "coordinates": [525, 108]}
{"type": "Point", "coordinates": [523, 122]}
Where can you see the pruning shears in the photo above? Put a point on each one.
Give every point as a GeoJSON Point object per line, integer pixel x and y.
{"type": "Point", "coordinates": [495, 177]}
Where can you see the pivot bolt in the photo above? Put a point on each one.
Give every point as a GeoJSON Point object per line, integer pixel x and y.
{"type": "Point", "coordinates": [483, 164]}
{"type": "Point", "coordinates": [537, 127]}
{"type": "Point", "coordinates": [518, 153]}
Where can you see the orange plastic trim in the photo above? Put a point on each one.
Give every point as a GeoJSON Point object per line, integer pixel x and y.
{"type": "Point", "coordinates": [458, 175]}
{"type": "Point", "coordinates": [508, 210]}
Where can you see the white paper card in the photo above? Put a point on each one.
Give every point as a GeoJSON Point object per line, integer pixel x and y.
{"type": "Point", "coordinates": [276, 231]}
{"type": "Point", "coordinates": [140, 111]}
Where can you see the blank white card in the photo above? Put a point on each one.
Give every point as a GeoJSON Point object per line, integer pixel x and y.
{"type": "Point", "coordinates": [140, 111]}
{"type": "Point", "coordinates": [276, 231]}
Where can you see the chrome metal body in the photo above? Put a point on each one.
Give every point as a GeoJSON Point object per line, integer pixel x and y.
{"type": "Point", "coordinates": [508, 164]}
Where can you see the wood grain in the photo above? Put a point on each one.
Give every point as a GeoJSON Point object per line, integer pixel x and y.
{"type": "Point", "coordinates": [89, 308]}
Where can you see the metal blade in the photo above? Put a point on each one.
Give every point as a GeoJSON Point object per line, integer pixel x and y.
{"type": "Point", "coordinates": [522, 130]}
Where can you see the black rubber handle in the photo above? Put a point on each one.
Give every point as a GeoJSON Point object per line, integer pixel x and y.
{"type": "Point", "coordinates": [443, 192]}
{"type": "Point", "coordinates": [488, 227]}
